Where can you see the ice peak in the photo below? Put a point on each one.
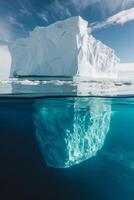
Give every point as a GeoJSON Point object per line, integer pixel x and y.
{"type": "Point", "coordinates": [76, 20]}
{"type": "Point", "coordinates": [74, 24]}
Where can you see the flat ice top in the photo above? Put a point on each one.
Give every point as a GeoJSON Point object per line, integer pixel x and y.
{"type": "Point", "coordinates": [65, 87]}
{"type": "Point", "coordinates": [65, 48]}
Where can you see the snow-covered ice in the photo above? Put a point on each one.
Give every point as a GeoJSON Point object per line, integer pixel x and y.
{"type": "Point", "coordinates": [65, 48]}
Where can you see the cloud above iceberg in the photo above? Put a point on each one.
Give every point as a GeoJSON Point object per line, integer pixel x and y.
{"type": "Point", "coordinates": [105, 6]}
{"type": "Point", "coordinates": [17, 20]}
{"type": "Point", "coordinates": [120, 18]}
{"type": "Point", "coordinates": [5, 61]}
{"type": "Point", "coordinates": [5, 32]}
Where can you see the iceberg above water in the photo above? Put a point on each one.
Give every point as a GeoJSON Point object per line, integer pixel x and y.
{"type": "Point", "coordinates": [65, 48]}
{"type": "Point", "coordinates": [68, 130]}
{"type": "Point", "coordinates": [71, 130]}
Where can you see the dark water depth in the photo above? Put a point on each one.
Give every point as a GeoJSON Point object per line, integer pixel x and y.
{"type": "Point", "coordinates": [106, 174]}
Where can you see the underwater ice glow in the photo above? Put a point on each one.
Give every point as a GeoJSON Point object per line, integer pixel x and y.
{"type": "Point", "coordinates": [71, 131]}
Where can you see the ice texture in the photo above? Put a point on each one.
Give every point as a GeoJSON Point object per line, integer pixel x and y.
{"type": "Point", "coordinates": [65, 48]}
{"type": "Point", "coordinates": [71, 130]}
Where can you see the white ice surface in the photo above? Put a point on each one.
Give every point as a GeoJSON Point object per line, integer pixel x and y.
{"type": "Point", "coordinates": [65, 48]}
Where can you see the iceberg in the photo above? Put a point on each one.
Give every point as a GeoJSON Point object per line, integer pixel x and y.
{"type": "Point", "coordinates": [70, 130]}
{"type": "Point", "coordinates": [65, 48]}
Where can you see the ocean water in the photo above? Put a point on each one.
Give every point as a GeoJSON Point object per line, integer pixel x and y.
{"type": "Point", "coordinates": [66, 140]}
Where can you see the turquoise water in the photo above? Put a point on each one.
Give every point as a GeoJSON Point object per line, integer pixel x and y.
{"type": "Point", "coordinates": [69, 146]}
{"type": "Point", "coordinates": [40, 161]}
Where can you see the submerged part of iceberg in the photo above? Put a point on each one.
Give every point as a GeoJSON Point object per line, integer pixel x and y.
{"type": "Point", "coordinates": [71, 130]}
{"type": "Point", "coordinates": [65, 48]}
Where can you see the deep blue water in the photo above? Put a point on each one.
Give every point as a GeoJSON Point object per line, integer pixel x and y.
{"type": "Point", "coordinates": [24, 174]}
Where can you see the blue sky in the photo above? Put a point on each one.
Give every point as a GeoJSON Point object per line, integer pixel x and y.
{"type": "Point", "coordinates": [112, 21]}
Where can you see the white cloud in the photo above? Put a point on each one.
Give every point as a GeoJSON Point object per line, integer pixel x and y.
{"type": "Point", "coordinates": [116, 5]}
{"type": "Point", "coordinates": [104, 5]}
{"type": "Point", "coordinates": [43, 16]}
{"type": "Point", "coordinates": [55, 11]}
{"type": "Point", "coordinates": [119, 18]}
{"type": "Point", "coordinates": [5, 61]}
{"type": "Point", "coordinates": [80, 4]}
{"type": "Point", "coordinates": [26, 8]}
{"type": "Point", "coordinates": [68, 12]}
{"type": "Point", "coordinates": [59, 9]}
{"type": "Point", "coordinates": [5, 31]}
{"type": "Point", "coordinates": [24, 11]}
{"type": "Point", "coordinates": [13, 21]}
{"type": "Point", "coordinates": [127, 3]}
{"type": "Point", "coordinates": [7, 24]}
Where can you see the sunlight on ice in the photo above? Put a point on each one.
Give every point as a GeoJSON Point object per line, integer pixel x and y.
{"type": "Point", "coordinates": [65, 48]}
{"type": "Point", "coordinates": [72, 130]}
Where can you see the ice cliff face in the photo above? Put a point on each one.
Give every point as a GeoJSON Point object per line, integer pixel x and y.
{"type": "Point", "coordinates": [64, 48]}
